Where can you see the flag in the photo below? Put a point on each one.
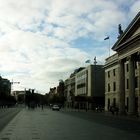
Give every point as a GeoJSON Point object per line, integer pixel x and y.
{"type": "Point", "coordinates": [106, 38]}
{"type": "Point", "coordinates": [87, 61]}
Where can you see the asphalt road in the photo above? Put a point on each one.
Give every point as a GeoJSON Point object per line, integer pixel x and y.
{"type": "Point", "coordinates": [69, 125]}
{"type": "Point", "coordinates": [6, 115]}
{"type": "Point", "coordinates": [125, 123]}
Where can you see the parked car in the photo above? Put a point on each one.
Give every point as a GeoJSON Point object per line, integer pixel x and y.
{"type": "Point", "coordinates": [55, 107]}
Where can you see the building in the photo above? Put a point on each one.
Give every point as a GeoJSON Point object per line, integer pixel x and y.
{"type": "Point", "coordinates": [70, 90]}
{"type": "Point", "coordinates": [111, 82]}
{"type": "Point", "coordinates": [53, 91]}
{"type": "Point", "coordinates": [5, 87]}
{"type": "Point", "coordinates": [19, 96]}
{"type": "Point", "coordinates": [86, 83]}
{"type": "Point", "coordinates": [5, 93]}
{"type": "Point", "coordinates": [60, 88]}
{"type": "Point", "coordinates": [122, 71]}
{"type": "Point", "coordinates": [90, 83]}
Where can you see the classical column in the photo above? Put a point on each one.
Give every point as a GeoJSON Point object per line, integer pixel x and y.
{"type": "Point", "coordinates": [131, 109]}
{"type": "Point", "coordinates": [121, 87]}
{"type": "Point", "coordinates": [139, 83]}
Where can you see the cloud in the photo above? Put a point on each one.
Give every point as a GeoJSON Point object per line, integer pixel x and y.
{"type": "Point", "coordinates": [135, 8]}
{"type": "Point", "coordinates": [37, 37]}
{"type": "Point", "coordinates": [39, 58]}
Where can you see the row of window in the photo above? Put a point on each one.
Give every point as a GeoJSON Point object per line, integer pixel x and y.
{"type": "Point", "coordinates": [81, 91]}
{"type": "Point", "coordinates": [127, 69]}
{"type": "Point", "coordinates": [82, 74]}
{"type": "Point", "coordinates": [114, 103]}
{"type": "Point", "coordinates": [114, 86]}
{"type": "Point", "coordinates": [136, 83]}
{"type": "Point", "coordinates": [127, 84]}
{"type": "Point", "coordinates": [114, 73]}
{"type": "Point", "coordinates": [111, 104]}
{"type": "Point", "coordinates": [81, 85]}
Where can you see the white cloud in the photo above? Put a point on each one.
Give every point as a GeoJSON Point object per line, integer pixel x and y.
{"type": "Point", "coordinates": [135, 8]}
{"type": "Point", "coordinates": [40, 59]}
{"type": "Point", "coordinates": [36, 36]}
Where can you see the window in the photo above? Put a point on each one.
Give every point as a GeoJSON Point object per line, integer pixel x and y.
{"type": "Point", "coordinates": [127, 84]}
{"type": "Point", "coordinates": [114, 101]}
{"type": "Point", "coordinates": [108, 74]}
{"type": "Point", "coordinates": [136, 82]}
{"type": "Point", "coordinates": [114, 72]}
{"type": "Point", "coordinates": [127, 67]}
{"type": "Point", "coordinates": [108, 87]}
{"type": "Point", "coordinates": [114, 86]}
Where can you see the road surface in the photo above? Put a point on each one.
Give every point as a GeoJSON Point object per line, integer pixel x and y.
{"type": "Point", "coordinates": [66, 125]}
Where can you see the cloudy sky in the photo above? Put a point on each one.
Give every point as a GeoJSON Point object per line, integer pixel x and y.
{"type": "Point", "coordinates": [43, 41]}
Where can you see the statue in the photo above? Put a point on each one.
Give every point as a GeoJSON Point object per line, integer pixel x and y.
{"type": "Point", "coordinates": [120, 29]}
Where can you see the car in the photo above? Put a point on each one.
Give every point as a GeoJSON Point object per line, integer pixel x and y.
{"type": "Point", "coordinates": [55, 107]}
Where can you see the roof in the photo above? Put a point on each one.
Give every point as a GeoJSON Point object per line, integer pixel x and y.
{"type": "Point", "coordinates": [128, 34]}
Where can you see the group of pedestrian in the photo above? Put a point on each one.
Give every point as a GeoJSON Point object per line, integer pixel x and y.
{"type": "Point", "coordinates": [33, 105]}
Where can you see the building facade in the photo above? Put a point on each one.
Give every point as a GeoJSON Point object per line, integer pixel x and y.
{"type": "Point", "coordinates": [90, 83]}
{"type": "Point", "coordinates": [86, 83]}
{"type": "Point", "coordinates": [70, 90]}
{"type": "Point", "coordinates": [5, 87]}
{"type": "Point", "coordinates": [123, 88]}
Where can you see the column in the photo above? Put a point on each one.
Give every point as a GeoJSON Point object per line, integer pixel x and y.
{"type": "Point", "coordinates": [131, 109]}
{"type": "Point", "coordinates": [139, 83]}
{"type": "Point", "coordinates": [121, 87]}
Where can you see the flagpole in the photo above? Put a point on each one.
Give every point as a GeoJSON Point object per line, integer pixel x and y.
{"type": "Point", "coordinates": [109, 46]}
{"type": "Point", "coordinates": [108, 38]}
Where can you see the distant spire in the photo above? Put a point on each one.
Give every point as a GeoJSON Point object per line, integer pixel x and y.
{"type": "Point", "coordinates": [95, 62]}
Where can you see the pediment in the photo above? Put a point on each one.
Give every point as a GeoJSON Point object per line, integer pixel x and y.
{"type": "Point", "coordinates": [136, 32]}
{"type": "Point", "coordinates": [132, 31]}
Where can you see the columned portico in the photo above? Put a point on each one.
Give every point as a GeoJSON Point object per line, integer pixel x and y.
{"type": "Point", "coordinates": [127, 48]}
{"type": "Point", "coordinates": [131, 108]}
{"type": "Point", "coordinates": [121, 87]}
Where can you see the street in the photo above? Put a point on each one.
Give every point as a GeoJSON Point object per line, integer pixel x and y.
{"type": "Point", "coordinates": [69, 125]}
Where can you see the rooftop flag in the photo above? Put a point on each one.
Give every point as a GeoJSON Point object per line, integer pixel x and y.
{"type": "Point", "coordinates": [87, 61]}
{"type": "Point", "coordinates": [106, 38]}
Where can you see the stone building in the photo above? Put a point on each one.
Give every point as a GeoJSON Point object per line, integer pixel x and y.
{"type": "Point", "coordinates": [90, 83]}
{"type": "Point", "coordinates": [70, 90]}
{"type": "Point", "coordinates": [122, 71]}
{"type": "Point", "coordinates": [111, 82]}
{"type": "Point", "coordinates": [86, 83]}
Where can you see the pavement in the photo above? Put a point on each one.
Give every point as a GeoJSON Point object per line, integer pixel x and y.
{"type": "Point", "coordinates": [6, 115]}
{"type": "Point", "coordinates": [50, 125]}
{"type": "Point", "coordinates": [24, 126]}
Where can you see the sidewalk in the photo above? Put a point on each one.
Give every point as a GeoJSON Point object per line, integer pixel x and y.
{"type": "Point", "coordinates": [26, 125]}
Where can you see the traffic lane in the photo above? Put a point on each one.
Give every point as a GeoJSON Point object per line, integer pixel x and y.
{"type": "Point", "coordinates": [61, 126]}
{"type": "Point", "coordinates": [69, 127]}
{"type": "Point", "coordinates": [6, 115]}
{"type": "Point", "coordinates": [120, 122]}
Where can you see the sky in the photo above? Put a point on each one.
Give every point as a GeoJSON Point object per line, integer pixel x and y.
{"type": "Point", "coordinates": [43, 41]}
